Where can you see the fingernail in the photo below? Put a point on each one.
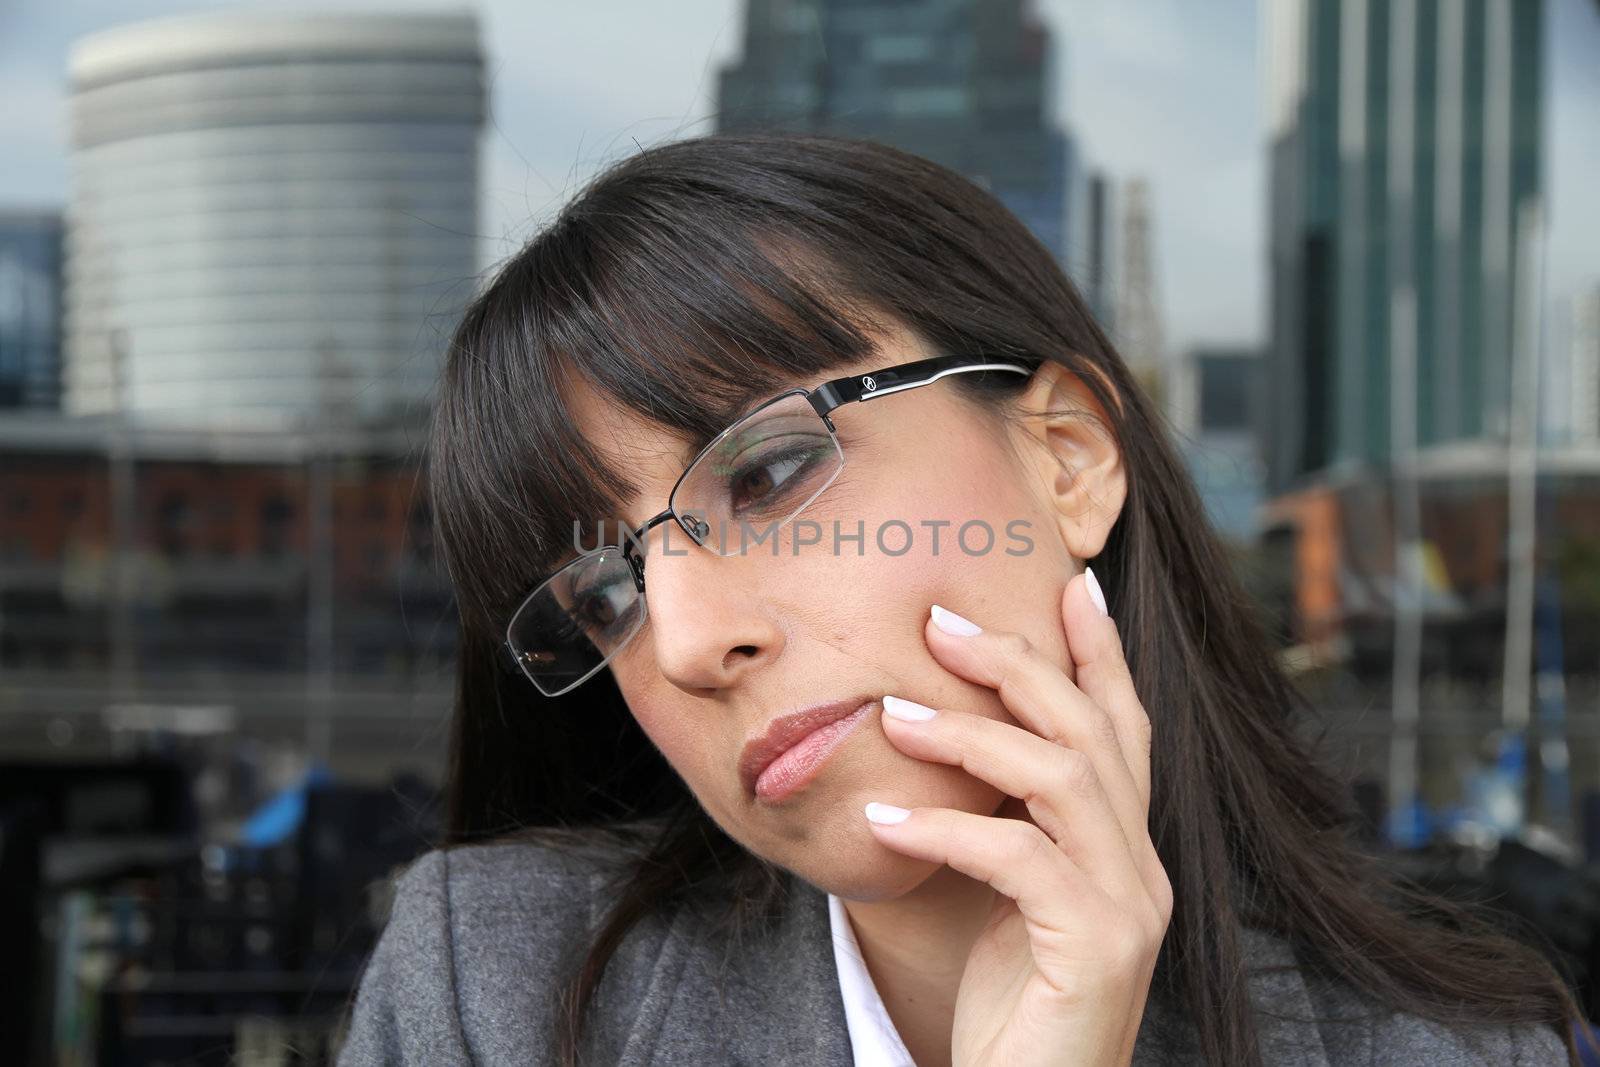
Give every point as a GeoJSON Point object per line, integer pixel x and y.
{"type": "Point", "coordinates": [908, 710]}
{"type": "Point", "coordinates": [951, 623]}
{"type": "Point", "coordinates": [885, 814]}
{"type": "Point", "coordinates": [1095, 594]}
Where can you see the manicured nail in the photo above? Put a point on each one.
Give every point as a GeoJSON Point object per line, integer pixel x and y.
{"type": "Point", "coordinates": [884, 814]}
{"type": "Point", "coordinates": [1095, 594]}
{"type": "Point", "coordinates": [908, 710]}
{"type": "Point", "coordinates": [951, 623]}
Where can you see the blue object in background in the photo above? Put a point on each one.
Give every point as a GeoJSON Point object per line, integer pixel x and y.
{"type": "Point", "coordinates": [1410, 824]}
{"type": "Point", "coordinates": [1495, 795]}
{"type": "Point", "coordinates": [1581, 1033]}
{"type": "Point", "coordinates": [280, 817]}
{"type": "Point", "coordinates": [1550, 696]}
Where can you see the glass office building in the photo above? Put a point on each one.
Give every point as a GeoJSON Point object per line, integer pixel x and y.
{"type": "Point", "coordinates": [30, 309]}
{"type": "Point", "coordinates": [969, 85]}
{"type": "Point", "coordinates": [1404, 153]}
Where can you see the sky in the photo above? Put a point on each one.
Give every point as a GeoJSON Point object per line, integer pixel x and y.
{"type": "Point", "coordinates": [1168, 90]}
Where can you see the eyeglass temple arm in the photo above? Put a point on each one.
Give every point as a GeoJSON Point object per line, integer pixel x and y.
{"type": "Point", "coordinates": [830, 395]}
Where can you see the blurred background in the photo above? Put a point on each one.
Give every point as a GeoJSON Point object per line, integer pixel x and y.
{"type": "Point", "coordinates": [1352, 246]}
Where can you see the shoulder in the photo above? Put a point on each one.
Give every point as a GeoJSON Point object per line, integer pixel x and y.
{"type": "Point", "coordinates": [1403, 1038]}
{"type": "Point", "coordinates": [1353, 1028]}
{"type": "Point", "coordinates": [475, 935]}
{"type": "Point", "coordinates": [1396, 1038]}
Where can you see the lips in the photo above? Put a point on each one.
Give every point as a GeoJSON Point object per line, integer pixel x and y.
{"type": "Point", "coordinates": [786, 731]}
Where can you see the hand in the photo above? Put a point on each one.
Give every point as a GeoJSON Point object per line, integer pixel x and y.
{"type": "Point", "coordinates": [1061, 971]}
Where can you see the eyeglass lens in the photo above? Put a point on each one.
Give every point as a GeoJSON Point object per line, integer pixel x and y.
{"type": "Point", "coordinates": [745, 486]}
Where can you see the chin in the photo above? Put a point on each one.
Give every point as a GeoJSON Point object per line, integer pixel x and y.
{"type": "Point", "coordinates": [866, 869]}
{"type": "Point", "coordinates": [894, 874]}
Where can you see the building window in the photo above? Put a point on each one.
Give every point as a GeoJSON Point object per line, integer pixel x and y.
{"type": "Point", "coordinates": [899, 48]}
{"type": "Point", "coordinates": [174, 517]}
{"type": "Point", "coordinates": [928, 101]}
{"type": "Point", "coordinates": [276, 515]}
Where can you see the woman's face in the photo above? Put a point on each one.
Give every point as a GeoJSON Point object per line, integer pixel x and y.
{"type": "Point", "coordinates": [731, 643]}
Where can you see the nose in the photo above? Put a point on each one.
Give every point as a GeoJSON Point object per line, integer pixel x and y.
{"type": "Point", "coordinates": [708, 625]}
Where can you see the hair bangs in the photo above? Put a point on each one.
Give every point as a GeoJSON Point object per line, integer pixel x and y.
{"type": "Point", "coordinates": [685, 323]}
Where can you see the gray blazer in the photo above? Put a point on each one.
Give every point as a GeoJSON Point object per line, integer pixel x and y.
{"type": "Point", "coordinates": [477, 935]}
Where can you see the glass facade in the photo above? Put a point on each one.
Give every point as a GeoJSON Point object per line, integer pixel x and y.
{"type": "Point", "coordinates": [1405, 146]}
{"type": "Point", "coordinates": [967, 85]}
{"type": "Point", "coordinates": [30, 309]}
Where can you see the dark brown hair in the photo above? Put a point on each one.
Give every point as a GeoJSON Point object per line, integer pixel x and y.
{"type": "Point", "coordinates": [700, 274]}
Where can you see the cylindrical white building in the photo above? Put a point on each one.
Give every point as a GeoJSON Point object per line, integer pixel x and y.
{"type": "Point", "coordinates": [273, 217]}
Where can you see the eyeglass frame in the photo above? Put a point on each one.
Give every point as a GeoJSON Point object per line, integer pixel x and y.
{"type": "Point", "coordinates": [824, 399]}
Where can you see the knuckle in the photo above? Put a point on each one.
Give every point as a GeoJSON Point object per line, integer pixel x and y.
{"type": "Point", "coordinates": [1125, 945]}
{"type": "Point", "coordinates": [1161, 894]}
{"type": "Point", "coordinates": [1028, 843]}
{"type": "Point", "coordinates": [1105, 729]}
{"type": "Point", "coordinates": [1144, 731]}
{"type": "Point", "coordinates": [1076, 771]}
{"type": "Point", "coordinates": [1014, 645]}
{"type": "Point", "coordinates": [1016, 654]}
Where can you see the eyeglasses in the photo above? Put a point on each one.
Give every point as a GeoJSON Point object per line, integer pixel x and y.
{"type": "Point", "coordinates": [766, 467]}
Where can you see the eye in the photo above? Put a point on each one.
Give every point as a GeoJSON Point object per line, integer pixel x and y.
{"type": "Point", "coordinates": [770, 476]}
{"type": "Point", "coordinates": [775, 478]}
{"type": "Point", "coordinates": [599, 606]}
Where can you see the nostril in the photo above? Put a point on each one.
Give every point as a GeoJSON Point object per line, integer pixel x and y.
{"type": "Point", "coordinates": [734, 654]}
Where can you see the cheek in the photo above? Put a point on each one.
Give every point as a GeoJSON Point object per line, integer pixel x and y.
{"type": "Point", "coordinates": [661, 715]}
{"type": "Point", "coordinates": [999, 559]}
{"type": "Point", "coordinates": [973, 532]}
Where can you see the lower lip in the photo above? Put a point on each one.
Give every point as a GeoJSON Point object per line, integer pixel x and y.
{"type": "Point", "coordinates": [791, 771]}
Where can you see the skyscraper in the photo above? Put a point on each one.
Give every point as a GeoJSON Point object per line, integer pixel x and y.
{"type": "Point", "coordinates": [1582, 401]}
{"type": "Point", "coordinates": [272, 216]}
{"type": "Point", "coordinates": [968, 85]}
{"type": "Point", "coordinates": [1100, 248]}
{"type": "Point", "coordinates": [1404, 147]}
{"type": "Point", "coordinates": [1140, 334]}
{"type": "Point", "coordinates": [30, 309]}
{"type": "Point", "coordinates": [1218, 416]}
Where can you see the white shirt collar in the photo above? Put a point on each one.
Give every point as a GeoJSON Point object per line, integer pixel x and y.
{"type": "Point", "coordinates": [873, 1039]}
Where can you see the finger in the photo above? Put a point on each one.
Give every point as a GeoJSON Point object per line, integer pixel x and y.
{"type": "Point", "coordinates": [1013, 856]}
{"type": "Point", "coordinates": [1039, 695]}
{"type": "Point", "coordinates": [1059, 786]}
{"type": "Point", "coordinates": [1102, 673]}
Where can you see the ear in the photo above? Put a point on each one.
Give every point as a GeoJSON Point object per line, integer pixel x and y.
{"type": "Point", "coordinates": [1071, 457]}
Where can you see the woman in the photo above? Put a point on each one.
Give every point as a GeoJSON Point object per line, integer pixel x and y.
{"type": "Point", "coordinates": [861, 439]}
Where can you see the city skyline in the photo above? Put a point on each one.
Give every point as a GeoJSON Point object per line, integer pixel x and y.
{"type": "Point", "coordinates": [1158, 90]}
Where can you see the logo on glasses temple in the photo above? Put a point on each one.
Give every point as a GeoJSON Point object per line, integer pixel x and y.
{"type": "Point", "coordinates": [868, 384]}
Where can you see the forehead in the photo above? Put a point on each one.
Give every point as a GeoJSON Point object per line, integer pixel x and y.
{"type": "Point", "coordinates": [625, 440]}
